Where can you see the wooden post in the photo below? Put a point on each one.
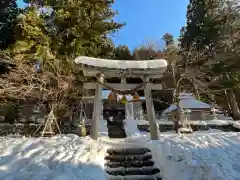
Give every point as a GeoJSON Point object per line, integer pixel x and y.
{"type": "Point", "coordinates": [154, 130]}
{"type": "Point", "coordinates": [97, 108]}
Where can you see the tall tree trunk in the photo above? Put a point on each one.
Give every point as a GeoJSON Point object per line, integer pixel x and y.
{"type": "Point", "coordinates": [233, 101]}
{"type": "Point", "coordinates": [233, 104]}
{"type": "Point", "coordinates": [229, 109]}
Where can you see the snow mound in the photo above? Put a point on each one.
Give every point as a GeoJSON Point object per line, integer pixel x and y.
{"type": "Point", "coordinates": [203, 155]}
{"type": "Point", "coordinates": [211, 155]}
{"type": "Point", "coordinates": [58, 158]}
{"type": "Point", "coordinates": [200, 122]}
{"type": "Point", "coordinates": [131, 128]}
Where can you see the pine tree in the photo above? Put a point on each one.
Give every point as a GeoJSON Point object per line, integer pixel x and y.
{"type": "Point", "coordinates": [68, 28]}
{"type": "Point", "coordinates": [211, 41]}
{"type": "Point", "coordinates": [8, 18]}
{"type": "Point", "coordinates": [50, 34]}
{"type": "Point", "coordinates": [83, 26]}
{"type": "Point", "coordinates": [123, 53]}
{"type": "Point", "coordinates": [204, 25]}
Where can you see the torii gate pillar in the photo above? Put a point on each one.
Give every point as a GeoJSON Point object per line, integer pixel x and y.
{"type": "Point", "coordinates": [97, 108]}
{"type": "Point", "coordinates": [154, 130]}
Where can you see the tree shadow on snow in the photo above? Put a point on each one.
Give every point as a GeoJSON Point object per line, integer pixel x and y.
{"type": "Point", "coordinates": [36, 167]}
{"type": "Point", "coordinates": [223, 154]}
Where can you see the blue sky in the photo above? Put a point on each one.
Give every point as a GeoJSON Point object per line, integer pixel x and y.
{"type": "Point", "coordinates": [20, 3]}
{"type": "Point", "coordinates": [147, 20]}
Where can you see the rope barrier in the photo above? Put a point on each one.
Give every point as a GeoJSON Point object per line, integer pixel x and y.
{"type": "Point", "coordinates": [123, 92]}
{"type": "Point", "coordinates": [182, 119]}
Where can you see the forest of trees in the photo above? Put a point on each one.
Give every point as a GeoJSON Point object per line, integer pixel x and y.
{"type": "Point", "coordinates": [43, 39]}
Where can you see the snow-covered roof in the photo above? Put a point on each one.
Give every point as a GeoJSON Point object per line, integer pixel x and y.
{"type": "Point", "coordinates": [121, 64]}
{"type": "Point", "coordinates": [188, 101]}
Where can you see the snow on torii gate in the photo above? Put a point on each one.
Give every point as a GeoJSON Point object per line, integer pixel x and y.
{"type": "Point", "coordinates": [100, 68]}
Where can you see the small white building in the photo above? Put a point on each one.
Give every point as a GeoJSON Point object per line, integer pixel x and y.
{"type": "Point", "coordinates": [195, 109]}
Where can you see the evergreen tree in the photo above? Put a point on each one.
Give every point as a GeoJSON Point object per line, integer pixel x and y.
{"type": "Point", "coordinates": [8, 19]}
{"type": "Point", "coordinates": [66, 28]}
{"type": "Point", "coordinates": [49, 35]}
{"type": "Point", "coordinates": [204, 25]}
{"type": "Point", "coordinates": [210, 46]}
{"type": "Point", "coordinates": [123, 53]}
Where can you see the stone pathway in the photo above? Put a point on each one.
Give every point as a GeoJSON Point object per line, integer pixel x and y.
{"type": "Point", "coordinates": [131, 164]}
{"type": "Point", "coordinates": [116, 129]}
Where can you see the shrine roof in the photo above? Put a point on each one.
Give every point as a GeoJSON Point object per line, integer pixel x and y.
{"type": "Point", "coordinates": [121, 64]}
{"type": "Point", "coordinates": [188, 101]}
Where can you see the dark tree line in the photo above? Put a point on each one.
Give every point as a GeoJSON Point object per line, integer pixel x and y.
{"type": "Point", "coordinates": [207, 51]}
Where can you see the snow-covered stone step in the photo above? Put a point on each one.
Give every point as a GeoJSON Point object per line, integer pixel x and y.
{"type": "Point", "coordinates": [135, 177]}
{"type": "Point", "coordinates": [128, 151]}
{"type": "Point", "coordinates": [131, 164]}
{"type": "Point", "coordinates": [126, 164]}
{"type": "Point", "coordinates": [132, 170]}
{"type": "Point", "coordinates": [121, 158]}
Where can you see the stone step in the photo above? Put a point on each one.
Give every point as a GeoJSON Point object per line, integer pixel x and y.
{"type": "Point", "coordinates": [128, 151]}
{"type": "Point", "coordinates": [131, 164]}
{"type": "Point", "coordinates": [135, 177]}
{"type": "Point", "coordinates": [128, 164]}
{"type": "Point", "coordinates": [119, 131]}
{"type": "Point", "coordinates": [116, 123]}
{"type": "Point", "coordinates": [117, 134]}
{"type": "Point", "coordinates": [121, 158]}
{"type": "Point", "coordinates": [133, 171]}
{"type": "Point", "coordinates": [123, 169]}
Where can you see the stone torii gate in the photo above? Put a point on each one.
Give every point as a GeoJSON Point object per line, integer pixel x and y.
{"type": "Point", "coordinates": [104, 69]}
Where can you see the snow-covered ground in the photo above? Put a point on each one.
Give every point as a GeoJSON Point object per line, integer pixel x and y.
{"type": "Point", "coordinates": [63, 157]}
{"type": "Point", "coordinates": [208, 155]}
{"type": "Point", "coordinates": [210, 122]}
{"type": "Point", "coordinates": [58, 158]}
{"type": "Point", "coordinates": [200, 156]}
